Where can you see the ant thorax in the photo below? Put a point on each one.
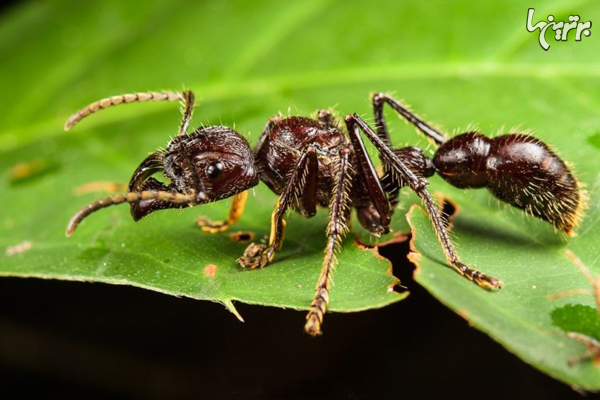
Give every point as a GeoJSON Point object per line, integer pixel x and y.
{"type": "Point", "coordinates": [281, 147]}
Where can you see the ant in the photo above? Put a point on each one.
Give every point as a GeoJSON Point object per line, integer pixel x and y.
{"type": "Point", "coordinates": [314, 161]}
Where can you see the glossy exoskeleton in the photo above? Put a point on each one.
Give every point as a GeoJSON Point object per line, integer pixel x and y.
{"type": "Point", "coordinates": [315, 161]}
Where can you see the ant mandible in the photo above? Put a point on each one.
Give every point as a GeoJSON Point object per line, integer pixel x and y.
{"type": "Point", "coordinates": [313, 161]}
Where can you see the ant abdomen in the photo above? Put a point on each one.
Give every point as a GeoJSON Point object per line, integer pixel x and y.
{"type": "Point", "coordinates": [518, 169]}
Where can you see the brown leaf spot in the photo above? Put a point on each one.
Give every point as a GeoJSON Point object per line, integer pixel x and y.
{"type": "Point", "coordinates": [210, 270]}
{"type": "Point", "coordinates": [18, 248]}
{"type": "Point", "coordinates": [242, 236]}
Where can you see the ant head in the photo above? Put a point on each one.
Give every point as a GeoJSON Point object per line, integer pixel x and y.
{"type": "Point", "coordinates": [213, 163]}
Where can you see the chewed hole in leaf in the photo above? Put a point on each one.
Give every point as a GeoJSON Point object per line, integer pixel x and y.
{"type": "Point", "coordinates": [402, 268]}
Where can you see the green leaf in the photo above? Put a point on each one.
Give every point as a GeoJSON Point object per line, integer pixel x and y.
{"type": "Point", "coordinates": [577, 318]}
{"type": "Point", "coordinates": [534, 271]}
{"type": "Point", "coordinates": [456, 63]}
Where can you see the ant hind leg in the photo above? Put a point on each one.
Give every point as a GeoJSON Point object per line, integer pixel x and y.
{"type": "Point", "coordinates": [380, 99]}
{"type": "Point", "coordinates": [419, 184]}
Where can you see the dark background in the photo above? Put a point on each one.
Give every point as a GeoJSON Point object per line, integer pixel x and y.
{"type": "Point", "coordinates": [100, 341]}
{"type": "Point", "coordinates": [81, 340]}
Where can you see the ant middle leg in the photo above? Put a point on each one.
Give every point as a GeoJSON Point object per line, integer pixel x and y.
{"type": "Point", "coordinates": [259, 255]}
{"type": "Point", "coordinates": [380, 99]}
{"type": "Point", "coordinates": [419, 184]}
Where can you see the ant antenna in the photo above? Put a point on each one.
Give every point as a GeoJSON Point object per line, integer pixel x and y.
{"type": "Point", "coordinates": [133, 197]}
{"type": "Point", "coordinates": [187, 98]}
{"type": "Point", "coordinates": [131, 98]}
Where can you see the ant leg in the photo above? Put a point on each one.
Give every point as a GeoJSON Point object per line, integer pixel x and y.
{"type": "Point", "coordinates": [309, 191]}
{"type": "Point", "coordinates": [419, 184]}
{"type": "Point", "coordinates": [235, 212]}
{"type": "Point", "coordinates": [120, 99]}
{"type": "Point", "coordinates": [259, 255]}
{"type": "Point", "coordinates": [368, 173]}
{"type": "Point", "coordinates": [339, 211]}
{"type": "Point", "coordinates": [380, 99]}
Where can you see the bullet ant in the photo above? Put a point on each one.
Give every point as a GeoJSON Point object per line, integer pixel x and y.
{"type": "Point", "coordinates": [314, 161]}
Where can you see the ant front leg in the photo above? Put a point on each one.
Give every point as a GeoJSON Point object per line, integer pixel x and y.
{"type": "Point", "coordinates": [419, 184]}
{"type": "Point", "coordinates": [235, 212]}
{"type": "Point", "coordinates": [380, 99]}
{"type": "Point", "coordinates": [339, 211]}
{"type": "Point", "coordinates": [259, 255]}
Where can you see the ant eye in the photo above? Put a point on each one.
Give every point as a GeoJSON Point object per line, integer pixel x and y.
{"type": "Point", "coordinates": [214, 170]}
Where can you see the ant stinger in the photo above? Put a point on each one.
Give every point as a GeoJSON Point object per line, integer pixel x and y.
{"type": "Point", "coordinates": [314, 161]}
